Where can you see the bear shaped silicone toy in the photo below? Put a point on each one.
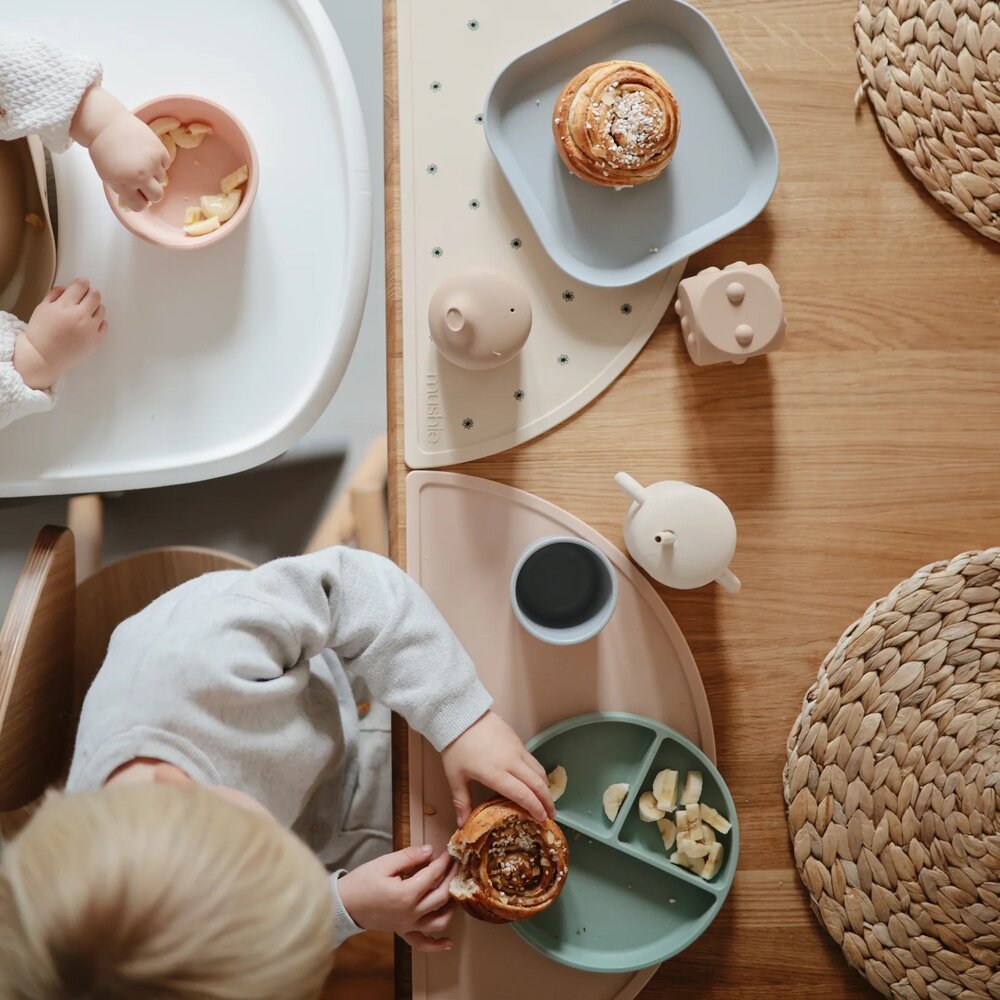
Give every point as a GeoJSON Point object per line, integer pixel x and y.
{"type": "Point", "coordinates": [730, 315]}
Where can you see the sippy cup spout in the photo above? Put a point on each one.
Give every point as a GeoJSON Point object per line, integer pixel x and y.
{"type": "Point", "coordinates": [729, 581]}
{"type": "Point", "coordinates": [631, 488]}
{"type": "Point", "coordinates": [665, 538]}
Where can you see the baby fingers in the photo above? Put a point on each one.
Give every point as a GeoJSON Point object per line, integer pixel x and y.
{"type": "Point", "coordinates": [435, 923]}
{"type": "Point", "coordinates": [438, 896]}
{"type": "Point", "coordinates": [152, 189]}
{"type": "Point", "coordinates": [421, 942]}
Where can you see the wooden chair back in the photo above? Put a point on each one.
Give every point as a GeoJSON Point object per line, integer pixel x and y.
{"type": "Point", "coordinates": [36, 671]}
{"type": "Point", "coordinates": [54, 639]}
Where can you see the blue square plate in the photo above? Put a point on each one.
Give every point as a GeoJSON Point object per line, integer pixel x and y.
{"type": "Point", "coordinates": [721, 176]}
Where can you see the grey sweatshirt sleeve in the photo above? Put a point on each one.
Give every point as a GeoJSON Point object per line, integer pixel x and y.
{"type": "Point", "coordinates": [343, 926]}
{"type": "Point", "coordinates": [40, 89]}
{"type": "Point", "coordinates": [380, 624]}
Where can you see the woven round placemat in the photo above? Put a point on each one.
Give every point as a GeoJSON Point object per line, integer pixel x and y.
{"type": "Point", "coordinates": [931, 71]}
{"type": "Point", "coordinates": [891, 782]}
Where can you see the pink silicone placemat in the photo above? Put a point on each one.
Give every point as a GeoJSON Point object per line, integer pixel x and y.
{"type": "Point", "coordinates": [463, 537]}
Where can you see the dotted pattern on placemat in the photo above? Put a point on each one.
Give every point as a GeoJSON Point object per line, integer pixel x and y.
{"type": "Point", "coordinates": [890, 785]}
{"type": "Point", "coordinates": [931, 70]}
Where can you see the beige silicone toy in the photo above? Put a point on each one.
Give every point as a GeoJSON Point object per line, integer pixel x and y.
{"type": "Point", "coordinates": [730, 315]}
{"type": "Point", "coordinates": [479, 318]}
{"type": "Point", "coordinates": [680, 534]}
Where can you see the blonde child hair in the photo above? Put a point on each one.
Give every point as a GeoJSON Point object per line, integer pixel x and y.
{"type": "Point", "coordinates": [160, 891]}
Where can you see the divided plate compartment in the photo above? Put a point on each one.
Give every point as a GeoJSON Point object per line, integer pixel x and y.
{"type": "Point", "coordinates": [625, 905]}
{"type": "Point", "coordinates": [721, 176]}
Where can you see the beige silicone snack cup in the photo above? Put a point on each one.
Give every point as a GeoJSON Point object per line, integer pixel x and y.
{"type": "Point", "coordinates": [479, 317]}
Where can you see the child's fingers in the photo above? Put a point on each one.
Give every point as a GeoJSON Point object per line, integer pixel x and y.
{"type": "Point", "coordinates": [461, 796]}
{"type": "Point", "coordinates": [514, 788]}
{"type": "Point", "coordinates": [439, 895]}
{"type": "Point", "coordinates": [91, 302]}
{"type": "Point", "coordinates": [55, 293]}
{"type": "Point", "coordinates": [103, 328]}
{"type": "Point", "coordinates": [435, 923]}
{"type": "Point", "coordinates": [152, 189]}
{"type": "Point", "coordinates": [531, 761]}
{"type": "Point", "coordinates": [430, 877]}
{"type": "Point", "coordinates": [405, 860]}
{"type": "Point", "coordinates": [421, 942]}
{"type": "Point", "coordinates": [134, 199]}
{"type": "Point", "coordinates": [540, 786]}
{"type": "Point", "coordinates": [76, 290]}
{"type": "Point", "coordinates": [99, 313]}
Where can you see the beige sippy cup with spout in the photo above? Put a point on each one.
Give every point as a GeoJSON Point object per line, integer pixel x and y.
{"type": "Point", "coordinates": [681, 535]}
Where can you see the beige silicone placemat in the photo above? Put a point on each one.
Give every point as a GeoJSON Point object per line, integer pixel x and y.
{"type": "Point", "coordinates": [931, 69]}
{"type": "Point", "coordinates": [463, 538]}
{"type": "Point", "coordinates": [458, 210]}
{"type": "Point", "coordinates": [891, 785]}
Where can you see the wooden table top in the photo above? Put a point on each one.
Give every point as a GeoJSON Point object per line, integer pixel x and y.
{"type": "Point", "coordinates": [865, 448]}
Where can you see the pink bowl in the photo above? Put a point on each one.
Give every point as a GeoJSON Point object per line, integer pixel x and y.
{"type": "Point", "coordinates": [193, 173]}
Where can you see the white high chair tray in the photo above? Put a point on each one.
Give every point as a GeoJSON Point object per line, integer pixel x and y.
{"type": "Point", "coordinates": [220, 358]}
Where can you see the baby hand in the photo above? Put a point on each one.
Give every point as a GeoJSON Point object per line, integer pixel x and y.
{"type": "Point", "coordinates": [417, 907]}
{"type": "Point", "coordinates": [65, 327]}
{"type": "Point", "coordinates": [126, 153]}
{"type": "Point", "coordinates": [490, 752]}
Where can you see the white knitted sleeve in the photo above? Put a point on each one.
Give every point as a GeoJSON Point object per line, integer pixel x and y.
{"type": "Point", "coordinates": [16, 399]}
{"type": "Point", "coordinates": [40, 88]}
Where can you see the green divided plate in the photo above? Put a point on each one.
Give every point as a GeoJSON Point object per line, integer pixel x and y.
{"type": "Point", "coordinates": [625, 906]}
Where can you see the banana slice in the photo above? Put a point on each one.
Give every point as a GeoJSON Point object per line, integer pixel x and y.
{"type": "Point", "coordinates": [193, 214]}
{"type": "Point", "coordinates": [185, 139]}
{"type": "Point", "coordinates": [691, 848]}
{"type": "Point", "coordinates": [203, 227]}
{"type": "Point", "coordinates": [715, 819]}
{"type": "Point", "coordinates": [682, 821]}
{"type": "Point", "coordinates": [692, 788]}
{"type": "Point", "coordinates": [557, 779]}
{"type": "Point", "coordinates": [665, 790]}
{"type": "Point", "coordinates": [165, 181]}
{"type": "Point", "coordinates": [614, 796]}
{"type": "Point", "coordinates": [696, 865]}
{"type": "Point", "coordinates": [163, 125]}
{"type": "Point", "coordinates": [648, 811]}
{"type": "Point", "coordinates": [708, 835]}
{"type": "Point", "coordinates": [188, 137]}
{"type": "Point", "coordinates": [171, 146]}
{"type": "Point", "coordinates": [713, 862]}
{"type": "Point", "coordinates": [668, 831]}
{"type": "Point", "coordinates": [221, 205]}
{"type": "Point", "coordinates": [235, 179]}
{"type": "Point", "coordinates": [693, 814]}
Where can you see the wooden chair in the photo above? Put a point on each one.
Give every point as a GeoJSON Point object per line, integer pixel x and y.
{"type": "Point", "coordinates": [55, 636]}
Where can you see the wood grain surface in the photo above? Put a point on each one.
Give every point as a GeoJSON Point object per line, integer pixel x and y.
{"type": "Point", "coordinates": [865, 448]}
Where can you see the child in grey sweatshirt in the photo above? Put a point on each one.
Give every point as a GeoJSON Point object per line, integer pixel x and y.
{"type": "Point", "coordinates": [245, 682]}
